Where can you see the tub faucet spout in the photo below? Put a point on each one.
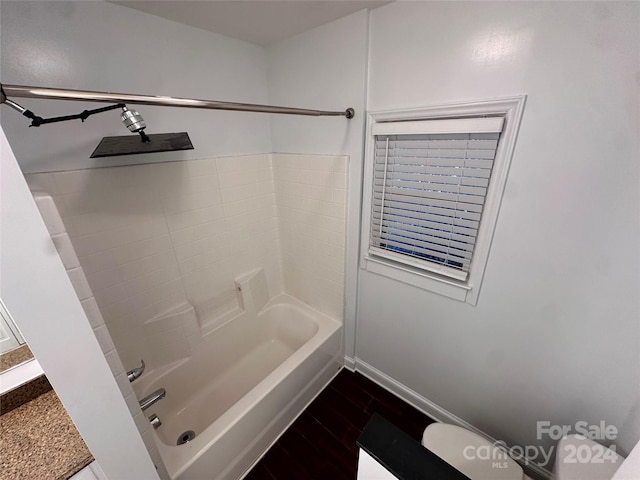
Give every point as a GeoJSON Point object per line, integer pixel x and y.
{"type": "Point", "coordinates": [152, 398]}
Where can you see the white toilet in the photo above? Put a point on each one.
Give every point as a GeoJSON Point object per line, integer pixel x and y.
{"type": "Point", "coordinates": [479, 459]}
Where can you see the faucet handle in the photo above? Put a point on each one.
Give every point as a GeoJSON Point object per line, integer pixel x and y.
{"type": "Point", "coordinates": [136, 372]}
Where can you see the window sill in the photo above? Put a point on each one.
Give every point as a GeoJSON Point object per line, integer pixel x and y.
{"type": "Point", "coordinates": [417, 278]}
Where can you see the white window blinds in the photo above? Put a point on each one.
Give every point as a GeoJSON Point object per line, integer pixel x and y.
{"type": "Point", "coordinates": [429, 188]}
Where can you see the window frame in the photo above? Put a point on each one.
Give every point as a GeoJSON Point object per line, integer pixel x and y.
{"type": "Point", "coordinates": [511, 109]}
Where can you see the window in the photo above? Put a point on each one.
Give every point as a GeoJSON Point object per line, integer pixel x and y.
{"type": "Point", "coordinates": [435, 179]}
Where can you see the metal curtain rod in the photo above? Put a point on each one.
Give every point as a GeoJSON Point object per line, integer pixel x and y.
{"type": "Point", "coordinates": [108, 97]}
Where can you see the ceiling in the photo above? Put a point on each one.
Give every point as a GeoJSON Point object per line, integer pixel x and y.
{"type": "Point", "coordinates": [260, 22]}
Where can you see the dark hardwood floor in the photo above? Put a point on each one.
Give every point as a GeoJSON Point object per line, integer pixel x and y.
{"type": "Point", "coordinates": [321, 443]}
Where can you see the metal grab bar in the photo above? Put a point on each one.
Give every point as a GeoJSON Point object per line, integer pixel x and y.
{"type": "Point", "coordinates": [108, 97]}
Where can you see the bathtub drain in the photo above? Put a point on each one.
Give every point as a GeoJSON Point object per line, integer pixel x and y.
{"type": "Point", "coordinates": [186, 437]}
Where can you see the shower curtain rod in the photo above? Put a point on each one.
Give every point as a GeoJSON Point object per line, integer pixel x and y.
{"type": "Point", "coordinates": [108, 97]}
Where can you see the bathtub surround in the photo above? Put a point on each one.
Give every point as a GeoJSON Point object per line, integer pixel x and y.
{"type": "Point", "coordinates": [172, 335]}
{"type": "Point", "coordinates": [155, 238]}
{"type": "Point", "coordinates": [157, 258]}
{"type": "Point", "coordinates": [281, 350]}
{"type": "Point", "coordinates": [311, 199]}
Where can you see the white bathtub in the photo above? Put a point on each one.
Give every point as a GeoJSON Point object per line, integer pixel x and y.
{"type": "Point", "coordinates": [241, 388]}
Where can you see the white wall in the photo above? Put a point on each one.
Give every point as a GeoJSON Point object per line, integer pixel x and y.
{"type": "Point", "coordinates": [326, 68]}
{"type": "Point", "coordinates": [555, 333]}
{"type": "Point", "coordinates": [36, 290]}
{"type": "Point", "coordinates": [106, 47]}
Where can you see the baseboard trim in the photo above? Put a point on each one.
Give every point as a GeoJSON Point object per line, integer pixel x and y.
{"type": "Point", "coordinates": [350, 363]}
{"type": "Point", "coordinates": [428, 407]}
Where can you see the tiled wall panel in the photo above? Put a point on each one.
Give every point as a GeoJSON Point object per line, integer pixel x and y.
{"type": "Point", "coordinates": [311, 202]}
{"type": "Point", "coordinates": [151, 237]}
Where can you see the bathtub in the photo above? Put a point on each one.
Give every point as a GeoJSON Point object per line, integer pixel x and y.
{"type": "Point", "coordinates": [241, 387]}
